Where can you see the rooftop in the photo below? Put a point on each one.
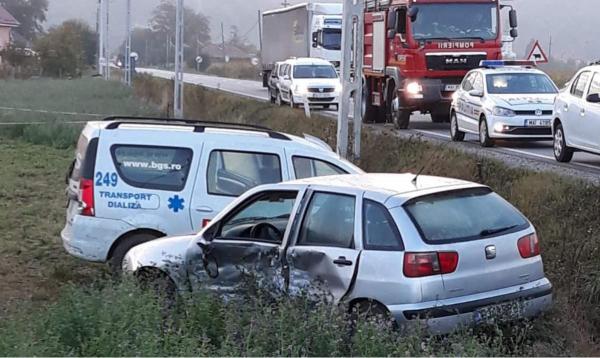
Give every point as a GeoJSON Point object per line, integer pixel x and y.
{"type": "Point", "coordinates": [6, 19]}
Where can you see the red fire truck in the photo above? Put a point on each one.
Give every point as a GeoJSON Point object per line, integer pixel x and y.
{"type": "Point", "coordinates": [416, 53]}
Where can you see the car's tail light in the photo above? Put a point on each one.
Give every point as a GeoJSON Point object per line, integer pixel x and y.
{"type": "Point", "coordinates": [529, 246]}
{"type": "Point", "coordinates": [86, 195]}
{"type": "Point", "coordinates": [420, 264]}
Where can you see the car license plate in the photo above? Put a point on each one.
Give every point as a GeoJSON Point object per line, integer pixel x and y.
{"type": "Point", "coordinates": [537, 123]}
{"type": "Point", "coordinates": [504, 312]}
{"type": "Point", "coordinates": [450, 88]}
{"type": "Point", "coordinates": [321, 95]}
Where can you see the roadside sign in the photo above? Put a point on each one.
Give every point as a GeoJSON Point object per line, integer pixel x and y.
{"type": "Point", "coordinates": [537, 54]}
{"type": "Point", "coordinates": [199, 60]}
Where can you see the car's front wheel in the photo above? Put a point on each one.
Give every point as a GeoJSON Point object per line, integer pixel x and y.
{"type": "Point", "coordinates": [562, 152]}
{"type": "Point", "coordinates": [484, 134]}
{"type": "Point", "coordinates": [455, 133]}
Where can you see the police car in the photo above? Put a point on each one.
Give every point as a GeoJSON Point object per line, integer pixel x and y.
{"type": "Point", "coordinates": [504, 100]}
{"type": "Point", "coordinates": [137, 179]}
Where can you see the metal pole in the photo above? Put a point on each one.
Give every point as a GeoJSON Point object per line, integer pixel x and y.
{"type": "Point", "coordinates": [223, 43]}
{"type": "Point", "coordinates": [260, 44]}
{"type": "Point", "coordinates": [106, 42]}
{"type": "Point", "coordinates": [178, 101]}
{"type": "Point", "coordinates": [100, 29]}
{"type": "Point", "coordinates": [128, 44]}
{"type": "Point", "coordinates": [351, 76]}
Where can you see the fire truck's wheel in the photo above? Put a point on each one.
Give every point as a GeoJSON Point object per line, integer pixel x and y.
{"type": "Point", "coordinates": [368, 111]}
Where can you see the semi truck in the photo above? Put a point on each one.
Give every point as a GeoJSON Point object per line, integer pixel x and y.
{"type": "Point", "coordinates": [416, 53]}
{"type": "Point", "coordinates": [304, 30]}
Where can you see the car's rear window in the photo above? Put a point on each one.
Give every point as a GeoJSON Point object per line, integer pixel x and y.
{"type": "Point", "coordinates": [463, 215]}
{"type": "Point", "coordinates": [152, 167]}
{"type": "Point", "coordinates": [85, 158]}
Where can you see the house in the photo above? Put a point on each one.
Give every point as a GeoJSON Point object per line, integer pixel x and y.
{"type": "Point", "coordinates": [7, 24]}
{"type": "Point", "coordinates": [231, 53]}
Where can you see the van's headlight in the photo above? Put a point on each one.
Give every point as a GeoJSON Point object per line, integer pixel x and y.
{"type": "Point", "coordinates": [503, 112]}
{"type": "Point", "coordinates": [414, 90]}
{"type": "Point", "coordinates": [301, 89]}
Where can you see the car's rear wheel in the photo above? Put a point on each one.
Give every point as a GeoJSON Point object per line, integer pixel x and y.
{"type": "Point", "coordinates": [115, 262]}
{"type": "Point", "coordinates": [562, 152]}
{"type": "Point", "coordinates": [484, 134]}
{"type": "Point", "coordinates": [455, 133]}
{"type": "Point", "coordinates": [372, 313]}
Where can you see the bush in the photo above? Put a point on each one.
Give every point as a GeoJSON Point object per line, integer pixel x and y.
{"type": "Point", "coordinates": [121, 320]}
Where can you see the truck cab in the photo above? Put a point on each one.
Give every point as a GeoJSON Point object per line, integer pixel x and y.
{"type": "Point", "coordinates": [327, 38]}
{"type": "Point", "coordinates": [416, 53]}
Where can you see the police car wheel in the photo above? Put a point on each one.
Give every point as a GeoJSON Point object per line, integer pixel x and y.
{"type": "Point", "coordinates": [456, 134]}
{"type": "Point", "coordinates": [115, 263]}
{"type": "Point", "coordinates": [484, 134]}
{"type": "Point", "coordinates": [562, 152]}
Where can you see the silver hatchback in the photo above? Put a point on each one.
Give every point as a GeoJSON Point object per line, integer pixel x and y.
{"type": "Point", "coordinates": [429, 251]}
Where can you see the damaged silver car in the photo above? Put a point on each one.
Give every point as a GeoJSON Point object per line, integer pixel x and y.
{"type": "Point", "coordinates": [434, 252]}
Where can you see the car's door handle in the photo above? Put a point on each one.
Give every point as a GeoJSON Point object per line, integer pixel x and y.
{"type": "Point", "coordinates": [342, 261]}
{"type": "Point", "coordinates": [204, 209]}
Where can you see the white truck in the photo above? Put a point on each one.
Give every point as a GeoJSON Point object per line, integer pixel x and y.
{"type": "Point", "coordinates": [304, 30]}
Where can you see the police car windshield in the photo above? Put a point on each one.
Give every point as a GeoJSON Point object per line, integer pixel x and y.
{"type": "Point", "coordinates": [519, 83]}
{"type": "Point", "coordinates": [314, 71]}
{"type": "Point", "coordinates": [448, 21]}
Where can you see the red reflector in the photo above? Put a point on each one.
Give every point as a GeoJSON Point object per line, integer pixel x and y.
{"type": "Point", "coordinates": [205, 223]}
{"type": "Point", "coordinates": [529, 246]}
{"type": "Point", "coordinates": [86, 190]}
{"type": "Point", "coordinates": [420, 264]}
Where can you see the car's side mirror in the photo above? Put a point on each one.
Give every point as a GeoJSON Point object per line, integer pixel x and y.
{"type": "Point", "coordinates": [476, 93]}
{"type": "Point", "coordinates": [412, 13]}
{"type": "Point", "coordinates": [593, 98]}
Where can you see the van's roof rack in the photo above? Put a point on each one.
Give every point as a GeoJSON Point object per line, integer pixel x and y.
{"type": "Point", "coordinates": [199, 126]}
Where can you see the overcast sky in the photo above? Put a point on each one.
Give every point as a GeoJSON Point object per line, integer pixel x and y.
{"type": "Point", "coordinates": [574, 29]}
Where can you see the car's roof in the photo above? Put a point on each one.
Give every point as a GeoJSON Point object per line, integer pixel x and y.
{"type": "Point", "coordinates": [94, 128]}
{"type": "Point", "coordinates": [308, 61]}
{"type": "Point", "coordinates": [510, 69]}
{"type": "Point", "coordinates": [393, 189]}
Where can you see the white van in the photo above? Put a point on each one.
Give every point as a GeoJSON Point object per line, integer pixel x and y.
{"type": "Point", "coordinates": [137, 179]}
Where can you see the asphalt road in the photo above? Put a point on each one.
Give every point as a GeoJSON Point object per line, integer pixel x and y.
{"type": "Point", "coordinates": [420, 124]}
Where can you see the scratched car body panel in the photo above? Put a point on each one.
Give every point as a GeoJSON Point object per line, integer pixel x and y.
{"type": "Point", "coordinates": [431, 251]}
{"type": "Point", "coordinates": [137, 179]}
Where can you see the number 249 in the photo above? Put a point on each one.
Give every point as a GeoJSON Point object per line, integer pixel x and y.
{"type": "Point", "coordinates": [108, 179]}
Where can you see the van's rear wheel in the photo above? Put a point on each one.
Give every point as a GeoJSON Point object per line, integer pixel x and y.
{"type": "Point", "coordinates": [115, 263]}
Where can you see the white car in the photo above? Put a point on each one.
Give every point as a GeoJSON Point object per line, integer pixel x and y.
{"type": "Point", "coordinates": [308, 80]}
{"type": "Point", "coordinates": [505, 101]}
{"type": "Point", "coordinates": [137, 179]}
{"type": "Point", "coordinates": [434, 252]}
{"type": "Point", "coordinates": [576, 124]}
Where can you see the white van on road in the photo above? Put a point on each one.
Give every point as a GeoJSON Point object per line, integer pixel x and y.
{"type": "Point", "coordinates": [137, 179]}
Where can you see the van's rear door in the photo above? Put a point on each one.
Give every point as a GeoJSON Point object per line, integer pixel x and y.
{"type": "Point", "coordinates": [484, 230]}
{"type": "Point", "coordinates": [82, 167]}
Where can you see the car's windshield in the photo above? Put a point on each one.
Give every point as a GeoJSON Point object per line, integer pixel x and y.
{"type": "Point", "coordinates": [332, 39]}
{"type": "Point", "coordinates": [520, 83]}
{"type": "Point", "coordinates": [314, 71]}
{"type": "Point", "coordinates": [455, 21]}
{"type": "Point", "coordinates": [463, 215]}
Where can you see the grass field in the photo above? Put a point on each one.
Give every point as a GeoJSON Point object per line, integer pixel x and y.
{"type": "Point", "coordinates": [93, 317]}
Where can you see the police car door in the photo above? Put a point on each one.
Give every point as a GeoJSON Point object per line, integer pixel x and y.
{"type": "Point", "coordinates": [142, 177]}
{"type": "Point", "coordinates": [228, 169]}
{"type": "Point", "coordinates": [466, 106]}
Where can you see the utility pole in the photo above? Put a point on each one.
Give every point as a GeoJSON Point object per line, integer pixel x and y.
{"type": "Point", "coordinates": [550, 49]}
{"type": "Point", "coordinates": [106, 42]}
{"type": "Point", "coordinates": [128, 44]}
{"type": "Point", "coordinates": [351, 69]}
{"type": "Point", "coordinates": [100, 31]}
{"type": "Point", "coordinates": [260, 44]}
{"type": "Point", "coordinates": [178, 100]}
{"type": "Point", "coordinates": [223, 42]}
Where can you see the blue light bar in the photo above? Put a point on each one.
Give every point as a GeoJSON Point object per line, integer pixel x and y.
{"type": "Point", "coordinates": [504, 63]}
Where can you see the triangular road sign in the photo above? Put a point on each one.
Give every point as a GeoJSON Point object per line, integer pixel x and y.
{"type": "Point", "coordinates": [537, 54]}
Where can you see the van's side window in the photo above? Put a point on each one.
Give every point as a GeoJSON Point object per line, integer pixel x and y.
{"type": "Point", "coordinates": [309, 167]}
{"type": "Point", "coordinates": [232, 173]}
{"type": "Point", "coordinates": [152, 167]}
